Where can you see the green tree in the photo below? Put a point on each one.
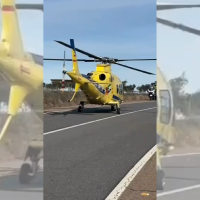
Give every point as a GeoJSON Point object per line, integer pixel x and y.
{"type": "Point", "coordinates": [133, 87]}
{"type": "Point", "coordinates": [180, 98]}
{"type": "Point", "coordinates": [139, 88]}
{"type": "Point", "coordinates": [178, 84]}
{"type": "Point", "coordinates": [195, 105]}
{"type": "Point", "coordinates": [124, 83]}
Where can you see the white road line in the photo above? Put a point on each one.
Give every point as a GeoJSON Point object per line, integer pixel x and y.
{"type": "Point", "coordinates": [90, 122]}
{"type": "Point", "coordinates": [179, 155]}
{"type": "Point", "coordinates": [178, 190]}
{"type": "Point", "coordinates": [125, 182]}
{"type": "Point", "coordinates": [60, 111]}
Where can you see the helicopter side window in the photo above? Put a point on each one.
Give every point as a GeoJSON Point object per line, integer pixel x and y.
{"type": "Point", "coordinates": [165, 112]}
{"type": "Point", "coordinates": [102, 77]}
{"type": "Point", "coordinates": [120, 89]}
{"type": "Point", "coordinates": [89, 74]}
{"type": "Point", "coordinates": [117, 89]}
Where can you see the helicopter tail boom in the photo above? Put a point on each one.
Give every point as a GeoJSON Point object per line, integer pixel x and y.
{"type": "Point", "coordinates": [11, 36]}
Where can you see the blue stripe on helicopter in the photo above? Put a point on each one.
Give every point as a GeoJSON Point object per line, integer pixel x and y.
{"type": "Point", "coordinates": [116, 98]}
{"type": "Point", "coordinates": [72, 45]}
{"type": "Point", "coordinates": [88, 78]}
{"type": "Point", "coordinates": [95, 83]}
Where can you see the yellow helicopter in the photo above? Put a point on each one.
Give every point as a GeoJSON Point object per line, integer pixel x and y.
{"type": "Point", "coordinates": [101, 87]}
{"type": "Point", "coordinates": [165, 108]}
{"type": "Point", "coordinates": [24, 72]}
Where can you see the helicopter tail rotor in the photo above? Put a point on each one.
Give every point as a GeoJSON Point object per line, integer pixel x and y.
{"type": "Point", "coordinates": [64, 73]}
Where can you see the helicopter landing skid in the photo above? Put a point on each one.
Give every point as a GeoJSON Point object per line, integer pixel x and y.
{"type": "Point", "coordinates": [28, 172]}
{"type": "Point", "coordinates": [81, 106]}
{"type": "Point", "coordinates": [113, 108]}
{"type": "Point", "coordinates": [118, 110]}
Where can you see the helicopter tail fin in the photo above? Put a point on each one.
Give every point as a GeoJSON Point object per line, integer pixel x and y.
{"type": "Point", "coordinates": [74, 58]}
{"type": "Point", "coordinates": [11, 36]}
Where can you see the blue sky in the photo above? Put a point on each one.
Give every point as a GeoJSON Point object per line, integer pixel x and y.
{"type": "Point", "coordinates": [178, 51]}
{"type": "Point", "coordinates": [31, 25]}
{"type": "Point", "coordinates": [112, 28]}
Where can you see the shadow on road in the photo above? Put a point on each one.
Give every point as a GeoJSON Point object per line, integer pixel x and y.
{"type": "Point", "coordinates": [93, 111]}
{"type": "Point", "coordinates": [86, 111]}
{"type": "Point", "coordinates": [11, 183]}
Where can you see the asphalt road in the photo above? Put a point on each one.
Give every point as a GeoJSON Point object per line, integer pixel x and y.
{"type": "Point", "coordinates": [182, 177]}
{"type": "Point", "coordinates": [87, 161]}
{"type": "Point", "coordinates": [11, 189]}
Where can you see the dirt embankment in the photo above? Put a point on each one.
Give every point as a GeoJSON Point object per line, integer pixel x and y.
{"type": "Point", "coordinates": [187, 132]}
{"type": "Point", "coordinates": [55, 99]}
{"type": "Point", "coordinates": [23, 128]}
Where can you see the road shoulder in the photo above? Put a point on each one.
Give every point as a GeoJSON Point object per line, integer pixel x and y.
{"type": "Point", "coordinates": [144, 184]}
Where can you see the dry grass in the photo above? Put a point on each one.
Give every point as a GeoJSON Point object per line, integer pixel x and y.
{"type": "Point", "coordinates": [58, 99]}
{"type": "Point", "coordinates": [188, 132]}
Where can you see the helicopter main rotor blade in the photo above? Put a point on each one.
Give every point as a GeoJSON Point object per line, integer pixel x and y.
{"type": "Point", "coordinates": [176, 6]}
{"type": "Point", "coordinates": [87, 60]}
{"type": "Point", "coordinates": [61, 59]}
{"type": "Point", "coordinates": [24, 6]}
{"type": "Point", "coordinates": [179, 26]}
{"type": "Point", "coordinates": [135, 69]}
{"type": "Point", "coordinates": [79, 50]}
{"type": "Point", "coordinates": [29, 6]}
{"type": "Point", "coordinates": [121, 60]}
{"type": "Point", "coordinates": [99, 59]}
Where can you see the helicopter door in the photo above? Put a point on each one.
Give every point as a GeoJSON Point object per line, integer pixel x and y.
{"type": "Point", "coordinates": [121, 89]}
{"type": "Point", "coordinates": [112, 85]}
{"type": "Point", "coordinates": [165, 107]}
{"type": "Point", "coordinates": [117, 89]}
